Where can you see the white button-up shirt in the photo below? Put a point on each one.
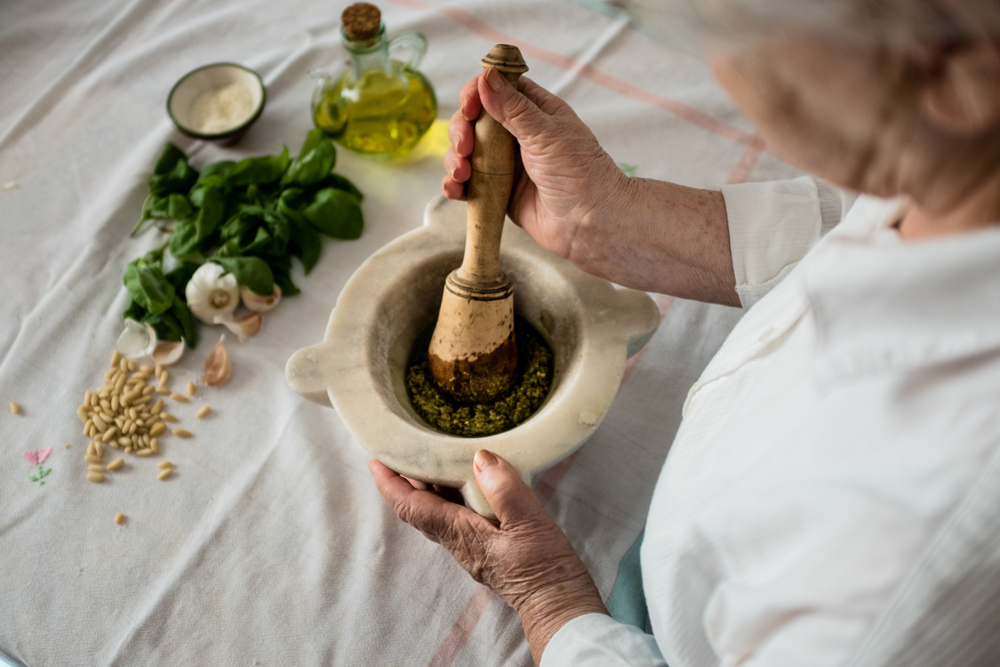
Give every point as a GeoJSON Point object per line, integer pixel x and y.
{"type": "Point", "coordinates": [833, 494]}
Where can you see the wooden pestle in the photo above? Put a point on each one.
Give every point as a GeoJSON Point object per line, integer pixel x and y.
{"type": "Point", "coordinates": [473, 354]}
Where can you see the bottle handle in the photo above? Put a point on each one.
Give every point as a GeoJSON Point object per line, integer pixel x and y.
{"type": "Point", "coordinates": [414, 41]}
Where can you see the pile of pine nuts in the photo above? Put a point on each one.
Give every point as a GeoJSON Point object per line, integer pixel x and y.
{"type": "Point", "coordinates": [123, 415]}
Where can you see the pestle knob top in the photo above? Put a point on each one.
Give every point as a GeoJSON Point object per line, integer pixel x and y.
{"type": "Point", "coordinates": [505, 58]}
{"type": "Point", "coordinates": [361, 20]}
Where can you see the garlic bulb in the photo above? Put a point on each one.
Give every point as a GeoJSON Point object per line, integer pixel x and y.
{"type": "Point", "coordinates": [211, 296]}
{"type": "Point", "coordinates": [217, 365]}
{"type": "Point", "coordinates": [245, 325]}
{"type": "Point", "coordinates": [258, 303]}
{"type": "Point", "coordinates": [137, 340]}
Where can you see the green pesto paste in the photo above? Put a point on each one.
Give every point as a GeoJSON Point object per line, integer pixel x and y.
{"type": "Point", "coordinates": [534, 379]}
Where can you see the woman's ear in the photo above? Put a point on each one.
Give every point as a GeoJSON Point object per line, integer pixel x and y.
{"type": "Point", "coordinates": [965, 96]}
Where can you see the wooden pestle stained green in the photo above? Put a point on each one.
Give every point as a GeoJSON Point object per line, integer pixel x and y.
{"type": "Point", "coordinates": [473, 353]}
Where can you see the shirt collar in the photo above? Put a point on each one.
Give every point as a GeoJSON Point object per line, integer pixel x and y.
{"type": "Point", "coordinates": [882, 304]}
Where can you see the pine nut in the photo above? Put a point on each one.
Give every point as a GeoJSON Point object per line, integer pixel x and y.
{"type": "Point", "coordinates": [68, 445]}
{"type": "Point", "coordinates": [145, 368]}
{"type": "Point", "coordinates": [131, 366]}
{"type": "Point", "coordinates": [180, 398]}
{"type": "Point", "coordinates": [157, 407]}
{"type": "Point", "coordinates": [181, 433]}
{"type": "Point", "coordinates": [93, 467]}
{"type": "Point", "coordinates": [124, 441]}
{"type": "Point", "coordinates": [167, 417]}
{"type": "Point", "coordinates": [86, 397]}
{"type": "Point", "coordinates": [162, 390]}
{"type": "Point", "coordinates": [128, 450]}
{"type": "Point", "coordinates": [103, 393]}
{"type": "Point", "coordinates": [15, 408]}
{"type": "Point", "coordinates": [145, 439]}
{"type": "Point", "coordinates": [116, 464]}
{"type": "Point", "coordinates": [119, 383]}
{"type": "Point", "coordinates": [99, 449]}
{"type": "Point", "coordinates": [108, 375]}
{"type": "Point", "coordinates": [91, 450]}
{"type": "Point", "coordinates": [163, 465]}
{"type": "Point", "coordinates": [164, 377]}
{"type": "Point", "coordinates": [81, 412]}
{"type": "Point", "coordinates": [92, 459]}
{"type": "Point", "coordinates": [148, 389]}
{"type": "Point", "coordinates": [95, 402]}
{"type": "Point", "coordinates": [99, 423]}
{"type": "Point", "coordinates": [105, 404]}
{"type": "Point", "coordinates": [133, 415]}
{"type": "Point", "coordinates": [202, 411]}
{"type": "Point", "coordinates": [115, 403]}
{"type": "Point", "coordinates": [166, 473]}
{"type": "Point", "coordinates": [158, 370]}
{"type": "Point", "coordinates": [110, 433]}
{"type": "Point", "coordinates": [146, 451]}
{"type": "Point", "coordinates": [157, 429]}
{"type": "Point", "coordinates": [141, 401]}
{"type": "Point", "coordinates": [119, 519]}
{"type": "Point", "coordinates": [116, 357]}
{"type": "Point", "coordinates": [95, 477]}
{"type": "Point", "coordinates": [190, 388]}
{"type": "Point", "coordinates": [154, 444]}
{"type": "Point", "coordinates": [113, 444]}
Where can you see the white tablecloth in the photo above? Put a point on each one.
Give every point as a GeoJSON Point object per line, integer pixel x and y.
{"type": "Point", "coordinates": [271, 545]}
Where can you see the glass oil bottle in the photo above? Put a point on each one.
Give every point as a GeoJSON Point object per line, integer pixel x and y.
{"type": "Point", "coordinates": [379, 106]}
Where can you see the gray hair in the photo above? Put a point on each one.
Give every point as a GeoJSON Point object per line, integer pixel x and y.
{"type": "Point", "coordinates": [737, 23]}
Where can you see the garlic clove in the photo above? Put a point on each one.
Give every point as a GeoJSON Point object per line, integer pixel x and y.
{"type": "Point", "coordinates": [211, 295]}
{"type": "Point", "coordinates": [167, 354]}
{"type": "Point", "coordinates": [258, 303]}
{"type": "Point", "coordinates": [243, 326]}
{"type": "Point", "coordinates": [137, 340]}
{"type": "Point", "coordinates": [217, 365]}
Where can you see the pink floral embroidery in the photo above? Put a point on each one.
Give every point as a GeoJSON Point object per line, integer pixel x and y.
{"type": "Point", "coordinates": [37, 457]}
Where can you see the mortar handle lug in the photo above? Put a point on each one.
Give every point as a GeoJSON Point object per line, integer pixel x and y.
{"type": "Point", "coordinates": [304, 374]}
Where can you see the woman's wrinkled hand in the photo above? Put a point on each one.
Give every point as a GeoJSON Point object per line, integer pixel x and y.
{"type": "Point", "coordinates": [524, 557]}
{"type": "Point", "coordinates": [567, 181]}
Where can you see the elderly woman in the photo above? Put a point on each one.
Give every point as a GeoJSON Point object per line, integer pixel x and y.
{"type": "Point", "coordinates": [833, 494]}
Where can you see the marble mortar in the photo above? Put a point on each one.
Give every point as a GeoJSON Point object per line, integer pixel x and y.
{"type": "Point", "coordinates": [360, 366]}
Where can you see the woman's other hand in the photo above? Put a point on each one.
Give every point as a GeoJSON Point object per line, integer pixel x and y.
{"type": "Point", "coordinates": [567, 179]}
{"type": "Point", "coordinates": [524, 557]}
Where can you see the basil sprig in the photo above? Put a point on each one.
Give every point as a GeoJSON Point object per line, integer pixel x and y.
{"type": "Point", "coordinates": [251, 217]}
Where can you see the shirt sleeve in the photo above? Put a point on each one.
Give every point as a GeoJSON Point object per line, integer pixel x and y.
{"type": "Point", "coordinates": [771, 227]}
{"type": "Point", "coordinates": [596, 640]}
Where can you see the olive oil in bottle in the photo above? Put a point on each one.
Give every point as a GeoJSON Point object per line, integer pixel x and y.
{"type": "Point", "coordinates": [379, 107]}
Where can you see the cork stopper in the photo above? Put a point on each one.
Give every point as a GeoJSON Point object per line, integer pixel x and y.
{"type": "Point", "coordinates": [361, 20]}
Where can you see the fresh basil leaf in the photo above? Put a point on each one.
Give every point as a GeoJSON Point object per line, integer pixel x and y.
{"type": "Point", "coordinates": [342, 183]}
{"type": "Point", "coordinates": [261, 240]}
{"type": "Point", "coordinates": [216, 170]}
{"type": "Point", "coordinates": [180, 277]}
{"type": "Point", "coordinates": [230, 248]}
{"type": "Point", "coordinates": [335, 213]}
{"type": "Point", "coordinates": [288, 288]}
{"type": "Point", "coordinates": [180, 310]}
{"type": "Point", "coordinates": [147, 286]}
{"type": "Point", "coordinates": [252, 272]}
{"type": "Point", "coordinates": [178, 207]}
{"type": "Point", "coordinates": [165, 325]}
{"type": "Point", "coordinates": [172, 173]}
{"type": "Point", "coordinates": [258, 170]}
{"type": "Point", "coordinates": [306, 241]}
{"type": "Point", "coordinates": [190, 234]}
{"type": "Point", "coordinates": [314, 161]}
{"type": "Point", "coordinates": [134, 311]}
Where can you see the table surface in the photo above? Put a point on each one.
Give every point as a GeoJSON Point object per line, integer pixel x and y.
{"type": "Point", "coordinates": [270, 545]}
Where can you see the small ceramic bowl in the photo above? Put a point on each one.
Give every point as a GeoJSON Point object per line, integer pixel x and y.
{"type": "Point", "coordinates": [186, 101]}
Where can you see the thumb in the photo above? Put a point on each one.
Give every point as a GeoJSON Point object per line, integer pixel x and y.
{"type": "Point", "coordinates": [510, 107]}
{"type": "Point", "coordinates": [511, 499]}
